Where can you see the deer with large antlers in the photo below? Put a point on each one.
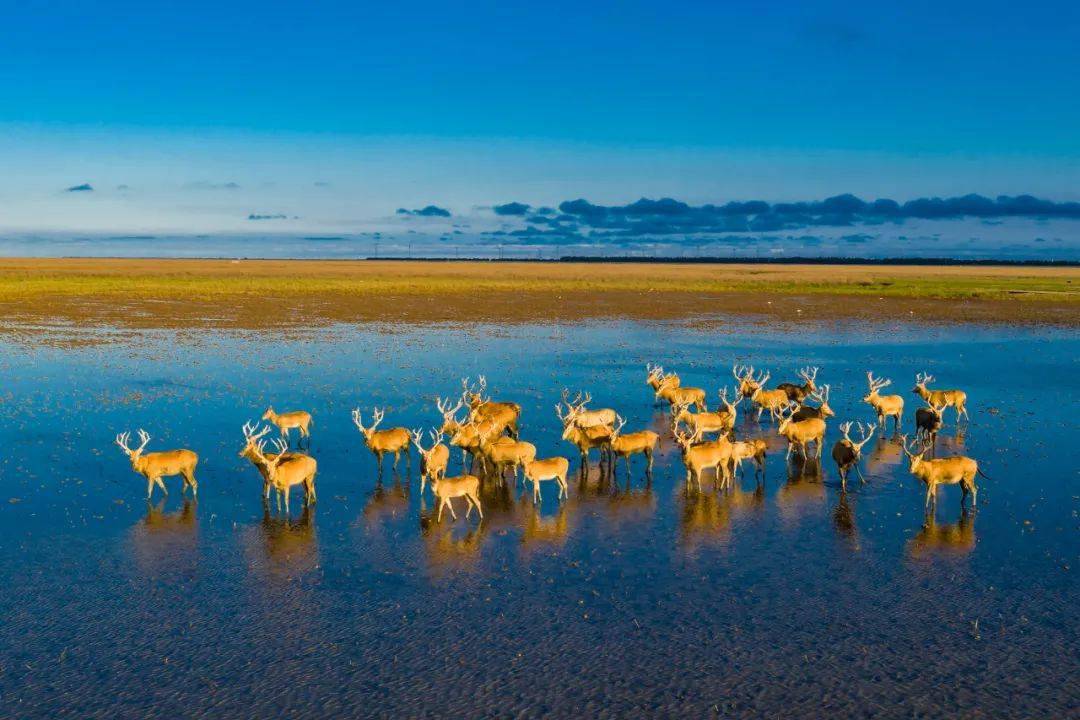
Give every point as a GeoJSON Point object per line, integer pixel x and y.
{"type": "Point", "coordinates": [286, 421]}
{"type": "Point", "coordinates": [847, 452]}
{"type": "Point", "coordinates": [797, 393]}
{"type": "Point", "coordinates": [508, 414]}
{"type": "Point", "coordinates": [823, 410]}
{"type": "Point", "coordinates": [251, 439]}
{"type": "Point", "coordinates": [928, 421]}
{"type": "Point", "coordinates": [679, 396]}
{"type": "Point", "coordinates": [657, 379]}
{"type": "Point", "coordinates": [885, 406]}
{"type": "Point", "coordinates": [553, 468]}
{"type": "Point", "coordinates": [157, 465]}
{"type": "Point", "coordinates": [624, 445]}
{"type": "Point", "coordinates": [945, 398]}
{"type": "Point", "coordinates": [748, 384]}
{"type": "Point", "coordinates": [801, 433]}
{"type": "Point", "coordinates": [504, 452]}
{"type": "Point", "coordinates": [434, 459]}
{"type": "Point", "coordinates": [466, 486]}
{"type": "Point", "coordinates": [585, 439]}
{"type": "Point", "coordinates": [775, 401]}
{"type": "Point", "coordinates": [701, 456]}
{"type": "Point", "coordinates": [582, 417]}
{"type": "Point", "coordinates": [943, 471]}
{"type": "Point", "coordinates": [722, 421]}
{"type": "Point", "coordinates": [379, 442]}
{"type": "Point", "coordinates": [286, 470]}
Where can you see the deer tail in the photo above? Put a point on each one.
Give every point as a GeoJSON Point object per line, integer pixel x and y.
{"type": "Point", "coordinates": [979, 470]}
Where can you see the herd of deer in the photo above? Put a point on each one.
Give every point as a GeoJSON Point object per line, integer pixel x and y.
{"type": "Point", "coordinates": [488, 437]}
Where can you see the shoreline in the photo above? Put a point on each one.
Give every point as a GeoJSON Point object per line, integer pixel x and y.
{"type": "Point", "coordinates": [252, 294]}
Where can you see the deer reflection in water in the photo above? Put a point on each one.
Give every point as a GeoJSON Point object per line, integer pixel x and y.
{"type": "Point", "coordinates": [162, 539]}
{"type": "Point", "coordinates": [936, 538]}
{"type": "Point", "coordinates": [288, 544]}
{"type": "Point", "coordinates": [843, 518]}
{"type": "Point", "coordinates": [449, 546]}
{"type": "Point", "coordinates": [885, 452]}
{"type": "Point", "coordinates": [707, 516]}
{"type": "Point", "coordinates": [539, 532]}
{"type": "Point", "coordinates": [804, 490]}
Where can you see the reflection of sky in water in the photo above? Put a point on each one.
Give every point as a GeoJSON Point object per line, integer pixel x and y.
{"type": "Point", "coordinates": [686, 598]}
{"type": "Point", "coordinates": [1001, 239]}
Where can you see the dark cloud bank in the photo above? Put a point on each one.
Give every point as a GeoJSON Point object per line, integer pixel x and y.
{"type": "Point", "coordinates": [429, 211]}
{"type": "Point", "coordinates": [667, 216]}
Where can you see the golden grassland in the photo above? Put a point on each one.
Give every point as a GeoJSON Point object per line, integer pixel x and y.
{"type": "Point", "coordinates": [172, 292]}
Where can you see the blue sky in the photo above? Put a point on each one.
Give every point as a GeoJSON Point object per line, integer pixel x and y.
{"type": "Point", "coordinates": [336, 112]}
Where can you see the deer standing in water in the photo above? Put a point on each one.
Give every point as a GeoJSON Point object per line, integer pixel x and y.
{"type": "Point", "coordinates": [885, 406]}
{"type": "Point", "coordinates": [748, 450]}
{"type": "Point", "coordinates": [721, 421]}
{"type": "Point", "coordinates": [157, 465]}
{"type": "Point", "coordinates": [379, 442]}
{"type": "Point", "coordinates": [680, 396]}
{"type": "Point", "coordinates": [657, 379]}
{"type": "Point", "coordinates": [434, 459]}
{"type": "Point", "coordinates": [802, 433]}
{"type": "Point", "coordinates": [506, 414]}
{"type": "Point", "coordinates": [701, 456]}
{"type": "Point", "coordinates": [286, 469]}
{"type": "Point", "coordinates": [945, 398]}
{"type": "Point", "coordinates": [553, 468]}
{"type": "Point", "coordinates": [585, 439]}
{"type": "Point", "coordinates": [748, 384]}
{"type": "Point", "coordinates": [847, 452]}
{"type": "Point", "coordinates": [943, 471]}
{"type": "Point", "coordinates": [577, 413]}
{"type": "Point", "coordinates": [798, 393]}
{"type": "Point", "coordinates": [928, 421]}
{"type": "Point", "coordinates": [289, 420]}
{"type": "Point", "coordinates": [625, 445]}
{"type": "Point", "coordinates": [823, 410]}
{"type": "Point", "coordinates": [775, 401]}
{"type": "Point", "coordinates": [251, 438]}
{"type": "Point", "coordinates": [466, 486]}
{"type": "Point", "coordinates": [505, 452]}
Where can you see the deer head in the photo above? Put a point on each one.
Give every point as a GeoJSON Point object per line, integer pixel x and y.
{"type": "Point", "coordinates": [809, 375]}
{"type": "Point", "coordinates": [251, 437]}
{"type": "Point", "coordinates": [914, 459]}
{"type": "Point", "coordinates": [449, 413]}
{"type": "Point", "coordinates": [864, 436]}
{"type": "Point", "coordinates": [921, 381]}
{"type": "Point", "coordinates": [875, 385]}
{"type": "Point", "coordinates": [376, 418]}
{"type": "Point", "coordinates": [122, 441]}
{"type": "Point", "coordinates": [821, 395]}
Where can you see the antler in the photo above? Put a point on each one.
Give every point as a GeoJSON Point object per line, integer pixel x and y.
{"type": "Point", "coordinates": [876, 383]}
{"type": "Point", "coordinates": [809, 374]}
{"type": "Point", "coordinates": [436, 436]}
{"type": "Point", "coordinates": [249, 431]}
{"type": "Point", "coordinates": [358, 420]}
{"type": "Point", "coordinates": [559, 413]}
{"type": "Point", "coordinates": [763, 379]}
{"type": "Point", "coordinates": [581, 405]}
{"type": "Point", "coordinates": [145, 437]}
{"type": "Point", "coordinates": [619, 422]}
{"type": "Point", "coordinates": [376, 417]}
{"type": "Point", "coordinates": [417, 436]}
{"type": "Point", "coordinates": [864, 435]}
{"type": "Point", "coordinates": [122, 441]}
{"type": "Point", "coordinates": [846, 428]}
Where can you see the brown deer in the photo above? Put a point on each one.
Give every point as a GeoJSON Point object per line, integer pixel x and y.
{"type": "Point", "coordinates": [657, 378]}
{"type": "Point", "coordinates": [585, 439]}
{"type": "Point", "coordinates": [379, 442]}
{"type": "Point", "coordinates": [885, 406]}
{"type": "Point", "coordinates": [775, 401]}
{"type": "Point", "coordinates": [625, 445]}
{"type": "Point", "coordinates": [946, 398]}
{"type": "Point", "coordinates": [553, 468]}
{"type": "Point", "coordinates": [823, 410]}
{"type": "Point", "coordinates": [505, 452]}
{"type": "Point", "coordinates": [583, 418]}
{"type": "Point", "coordinates": [680, 396]}
{"type": "Point", "coordinates": [943, 471]}
{"type": "Point", "coordinates": [700, 456]}
{"type": "Point", "coordinates": [508, 414]}
{"type": "Point", "coordinates": [748, 384]}
{"type": "Point", "coordinates": [251, 438]}
{"type": "Point", "coordinates": [748, 450]}
{"type": "Point", "coordinates": [449, 413]}
{"type": "Point", "coordinates": [928, 421]}
{"type": "Point", "coordinates": [798, 393]}
{"type": "Point", "coordinates": [847, 452]}
{"type": "Point", "coordinates": [157, 465]}
{"type": "Point", "coordinates": [287, 469]}
{"type": "Point", "coordinates": [289, 420]}
{"type": "Point", "coordinates": [801, 434]}
{"type": "Point", "coordinates": [466, 486]}
{"type": "Point", "coordinates": [433, 460]}
{"type": "Point", "coordinates": [721, 421]}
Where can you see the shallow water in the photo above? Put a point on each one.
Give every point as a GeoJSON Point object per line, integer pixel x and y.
{"type": "Point", "coordinates": [785, 597]}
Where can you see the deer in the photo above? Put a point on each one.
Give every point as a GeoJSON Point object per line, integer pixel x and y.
{"type": "Point", "coordinates": [434, 459]}
{"type": "Point", "coordinates": [450, 424]}
{"type": "Point", "coordinates": [505, 452]}
{"type": "Point", "coordinates": [847, 452]}
{"type": "Point", "coordinates": [772, 400]}
{"type": "Point", "coordinates": [801, 433]}
{"type": "Point", "coordinates": [552, 468]}
{"type": "Point", "coordinates": [748, 450]}
{"type": "Point", "coordinates": [928, 421]}
{"type": "Point", "coordinates": [748, 384]}
{"type": "Point", "coordinates": [798, 393]}
{"type": "Point", "coordinates": [823, 410]}
{"type": "Point", "coordinates": [625, 445]}
{"type": "Point", "coordinates": [943, 471]}
{"type": "Point", "coordinates": [251, 438]}
{"type": "Point", "coordinates": [585, 439]}
{"type": "Point", "coordinates": [946, 398]}
{"type": "Point", "coordinates": [700, 456]}
{"type": "Point", "coordinates": [289, 420]}
{"type": "Point", "coordinates": [506, 413]}
{"type": "Point", "coordinates": [721, 421]}
{"type": "Point", "coordinates": [657, 378]}
{"type": "Point", "coordinates": [286, 469]}
{"type": "Point", "coordinates": [586, 418]}
{"type": "Point", "coordinates": [680, 396]}
{"type": "Point", "coordinates": [466, 486]}
{"type": "Point", "coordinates": [379, 442]}
{"type": "Point", "coordinates": [885, 406]}
{"type": "Point", "coordinates": [157, 465]}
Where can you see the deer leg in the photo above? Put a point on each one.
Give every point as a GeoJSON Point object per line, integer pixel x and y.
{"type": "Point", "coordinates": [161, 484]}
{"type": "Point", "coordinates": [859, 473]}
{"type": "Point", "coordinates": [149, 487]}
{"type": "Point", "coordinates": [536, 492]}
{"type": "Point", "coordinates": [285, 492]}
{"type": "Point", "coordinates": [442, 501]}
{"type": "Point", "coordinates": [450, 507]}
